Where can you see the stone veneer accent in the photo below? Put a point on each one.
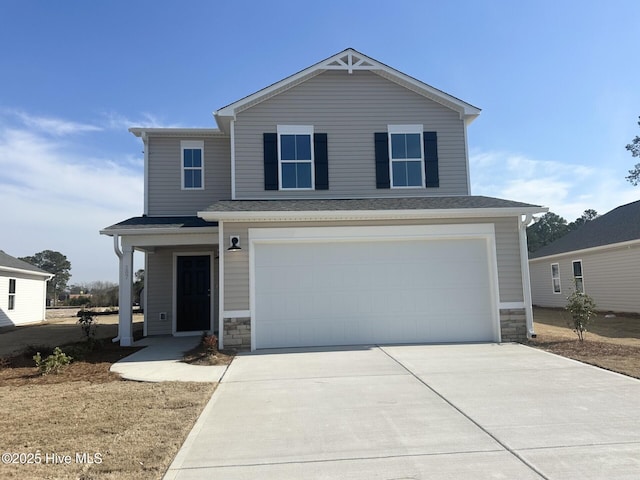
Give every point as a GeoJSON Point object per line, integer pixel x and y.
{"type": "Point", "coordinates": [237, 333]}
{"type": "Point", "coordinates": [513, 328]}
{"type": "Point", "coordinates": [513, 325]}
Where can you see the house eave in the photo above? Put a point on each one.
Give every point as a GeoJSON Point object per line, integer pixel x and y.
{"type": "Point", "coordinates": [157, 231]}
{"type": "Point", "coordinates": [26, 272]}
{"type": "Point", "coordinates": [610, 246]}
{"type": "Point", "coordinates": [329, 215]}
{"type": "Point", "coordinates": [177, 132]}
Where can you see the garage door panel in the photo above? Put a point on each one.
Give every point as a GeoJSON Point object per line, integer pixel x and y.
{"type": "Point", "coordinates": [341, 293]}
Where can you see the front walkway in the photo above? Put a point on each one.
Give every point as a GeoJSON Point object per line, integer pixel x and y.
{"type": "Point", "coordinates": [160, 362]}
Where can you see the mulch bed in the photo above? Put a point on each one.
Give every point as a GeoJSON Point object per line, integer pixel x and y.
{"type": "Point", "coordinates": [200, 356]}
{"type": "Point", "coordinates": [89, 364]}
{"type": "Point", "coordinates": [623, 359]}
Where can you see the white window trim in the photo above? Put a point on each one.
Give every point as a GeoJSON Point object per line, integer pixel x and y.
{"type": "Point", "coordinates": [296, 130]}
{"type": "Point", "coordinates": [419, 129]}
{"type": "Point", "coordinates": [191, 144]}
{"type": "Point", "coordinates": [581, 277]}
{"type": "Point", "coordinates": [553, 287]}
{"type": "Point", "coordinates": [12, 294]}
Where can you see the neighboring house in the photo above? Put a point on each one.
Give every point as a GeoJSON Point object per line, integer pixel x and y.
{"type": "Point", "coordinates": [23, 291]}
{"type": "Point", "coordinates": [330, 208]}
{"type": "Point", "coordinates": [601, 258]}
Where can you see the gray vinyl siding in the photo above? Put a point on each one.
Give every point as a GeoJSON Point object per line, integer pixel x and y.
{"type": "Point", "coordinates": [160, 284]}
{"type": "Point", "coordinates": [165, 195]}
{"type": "Point", "coordinates": [236, 264]}
{"type": "Point", "coordinates": [611, 277]}
{"type": "Point", "coordinates": [349, 108]}
{"type": "Point", "coordinates": [508, 256]}
{"type": "Point", "coordinates": [236, 269]}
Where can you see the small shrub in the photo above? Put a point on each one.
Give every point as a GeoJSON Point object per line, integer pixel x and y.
{"type": "Point", "coordinates": [210, 343]}
{"type": "Point", "coordinates": [88, 324]}
{"type": "Point", "coordinates": [53, 363]}
{"type": "Point", "coordinates": [582, 308]}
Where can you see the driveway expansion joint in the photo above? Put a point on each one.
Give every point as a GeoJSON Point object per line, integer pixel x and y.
{"type": "Point", "coordinates": [347, 459]}
{"type": "Point", "coordinates": [459, 410]}
{"type": "Point", "coordinates": [285, 379]}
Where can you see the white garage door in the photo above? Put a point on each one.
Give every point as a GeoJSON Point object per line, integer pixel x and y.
{"type": "Point", "coordinates": [370, 292]}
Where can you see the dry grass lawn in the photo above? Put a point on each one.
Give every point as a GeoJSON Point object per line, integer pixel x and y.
{"type": "Point", "coordinates": [137, 428]}
{"type": "Point", "coordinates": [611, 343]}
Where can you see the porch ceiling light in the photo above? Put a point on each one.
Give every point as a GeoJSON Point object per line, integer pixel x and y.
{"type": "Point", "coordinates": [234, 240]}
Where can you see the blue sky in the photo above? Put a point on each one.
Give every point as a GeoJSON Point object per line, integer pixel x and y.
{"type": "Point", "coordinates": [558, 83]}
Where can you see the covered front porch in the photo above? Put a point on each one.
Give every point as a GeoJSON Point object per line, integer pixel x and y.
{"type": "Point", "coordinates": [180, 297]}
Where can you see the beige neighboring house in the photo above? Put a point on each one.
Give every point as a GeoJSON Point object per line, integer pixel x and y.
{"type": "Point", "coordinates": [332, 207]}
{"type": "Point", "coordinates": [23, 292]}
{"type": "Point", "coordinates": [602, 258]}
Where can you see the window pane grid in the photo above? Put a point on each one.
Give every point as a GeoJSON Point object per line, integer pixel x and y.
{"type": "Point", "coordinates": [295, 161]}
{"type": "Point", "coordinates": [406, 160]}
{"type": "Point", "coordinates": [555, 277]}
{"type": "Point", "coordinates": [578, 278]}
{"type": "Point", "coordinates": [192, 167]}
{"type": "Point", "coordinates": [12, 293]}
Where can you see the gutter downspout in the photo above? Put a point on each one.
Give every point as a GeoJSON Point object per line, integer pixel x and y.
{"type": "Point", "coordinates": [119, 253]}
{"type": "Point", "coordinates": [524, 268]}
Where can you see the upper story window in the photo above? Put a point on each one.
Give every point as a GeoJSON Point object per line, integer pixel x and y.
{"type": "Point", "coordinates": [12, 293]}
{"type": "Point", "coordinates": [295, 157]}
{"type": "Point", "coordinates": [577, 276]}
{"type": "Point", "coordinates": [406, 154]}
{"type": "Point", "coordinates": [555, 277]}
{"type": "Point", "coordinates": [192, 158]}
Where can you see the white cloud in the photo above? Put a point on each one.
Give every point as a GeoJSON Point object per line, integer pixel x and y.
{"type": "Point", "coordinates": [50, 125]}
{"type": "Point", "coordinates": [116, 121]}
{"type": "Point", "coordinates": [56, 197]}
{"type": "Point", "coordinates": [567, 189]}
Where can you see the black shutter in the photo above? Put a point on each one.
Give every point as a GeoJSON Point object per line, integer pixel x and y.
{"type": "Point", "coordinates": [321, 159]}
{"type": "Point", "coordinates": [270, 142]}
{"type": "Point", "coordinates": [382, 160]}
{"type": "Point", "coordinates": [431, 159]}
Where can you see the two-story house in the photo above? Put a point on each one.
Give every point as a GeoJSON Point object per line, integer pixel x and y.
{"type": "Point", "coordinates": [330, 208]}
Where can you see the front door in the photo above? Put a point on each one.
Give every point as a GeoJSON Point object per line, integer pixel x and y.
{"type": "Point", "coordinates": [193, 295]}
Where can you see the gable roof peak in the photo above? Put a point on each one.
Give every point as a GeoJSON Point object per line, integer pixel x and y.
{"type": "Point", "coordinates": [348, 60]}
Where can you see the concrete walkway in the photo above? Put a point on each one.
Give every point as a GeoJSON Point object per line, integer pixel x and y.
{"type": "Point", "coordinates": [160, 362]}
{"type": "Point", "coordinates": [468, 412]}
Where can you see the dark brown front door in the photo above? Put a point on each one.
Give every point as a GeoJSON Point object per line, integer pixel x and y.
{"type": "Point", "coordinates": [193, 299]}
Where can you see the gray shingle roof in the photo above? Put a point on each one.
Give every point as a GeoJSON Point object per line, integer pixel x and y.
{"type": "Point", "coordinates": [412, 203]}
{"type": "Point", "coordinates": [621, 224]}
{"type": "Point", "coordinates": [144, 222]}
{"type": "Point", "coordinates": [8, 261]}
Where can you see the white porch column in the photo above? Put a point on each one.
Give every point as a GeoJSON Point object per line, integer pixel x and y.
{"type": "Point", "coordinates": [125, 327]}
{"type": "Point", "coordinates": [524, 267]}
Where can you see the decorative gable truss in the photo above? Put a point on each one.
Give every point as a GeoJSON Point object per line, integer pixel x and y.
{"type": "Point", "coordinates": [350, 61]}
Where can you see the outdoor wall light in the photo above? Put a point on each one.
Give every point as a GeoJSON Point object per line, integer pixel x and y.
{"type": "Point", "coordinates": [234, 240]}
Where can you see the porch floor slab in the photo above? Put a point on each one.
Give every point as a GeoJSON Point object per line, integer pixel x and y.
{"type": "Point", "coordinates": [160, 361]}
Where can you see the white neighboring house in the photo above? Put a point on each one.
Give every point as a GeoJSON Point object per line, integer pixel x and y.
{"type": "Point", "coordinates": [23, 292]}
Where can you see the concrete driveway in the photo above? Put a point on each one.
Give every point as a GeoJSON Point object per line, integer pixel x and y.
{"type": "Point", "coordinates": [482, 411]}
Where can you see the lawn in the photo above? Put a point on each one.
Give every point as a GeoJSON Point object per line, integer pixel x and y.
{"type": "Point", "coordinates": [611, 342]}
{"type": "Point", "coordinates": [135, 428]}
